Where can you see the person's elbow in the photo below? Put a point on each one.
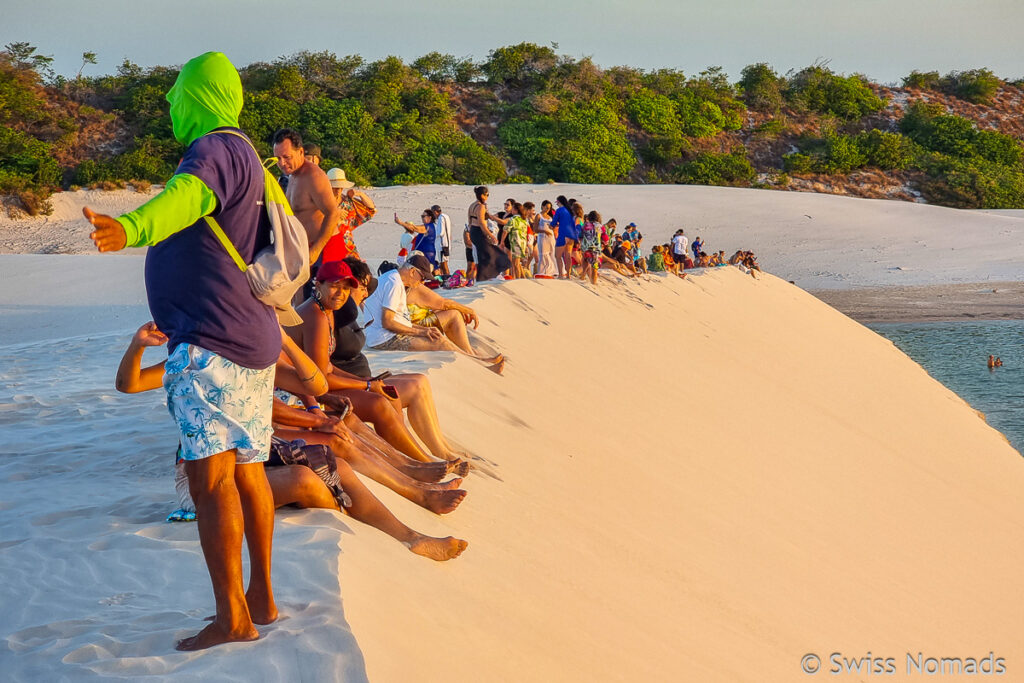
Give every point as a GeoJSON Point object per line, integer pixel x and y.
{"type": "Point", "coordinates": [318, 385]}
{"type": "Point", "coordinates": [126, 385]}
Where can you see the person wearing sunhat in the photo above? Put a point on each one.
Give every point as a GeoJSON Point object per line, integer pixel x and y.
{"type": "Point", "coordinates": [356, 208]}
{"type": "Point", "coordinates": [222, 342]}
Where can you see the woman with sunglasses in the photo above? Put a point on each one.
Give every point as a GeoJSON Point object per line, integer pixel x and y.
{"type": "Point", "coordinates": [424, 235]}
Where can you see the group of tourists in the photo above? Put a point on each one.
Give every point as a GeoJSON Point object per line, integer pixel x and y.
{"type": "Point", "coordinates": [278, 404]}
{"type": "Point", "coordinates": [559, 240]}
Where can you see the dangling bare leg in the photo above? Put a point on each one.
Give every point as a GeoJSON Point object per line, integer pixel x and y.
{"type": "Point", "coordinates": [297, 485]}
{"type": "Point", "coordinates": [438, 498]}
{"type": "Point", "coordinates": [378, 411]}
{"type": "Point", "coordinates": [416, 396]}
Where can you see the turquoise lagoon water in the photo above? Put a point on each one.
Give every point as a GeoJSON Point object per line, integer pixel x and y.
{"type": "Point", "coordinates": [956, 353]}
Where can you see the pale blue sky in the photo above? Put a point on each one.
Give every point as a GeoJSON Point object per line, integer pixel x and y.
{"type": "Point", "coordinates": [883, 39]}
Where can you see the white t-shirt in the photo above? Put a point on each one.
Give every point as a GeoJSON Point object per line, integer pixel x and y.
{"type": "Point", "coordinates": [444, 232]}
{"type": "Point", "coordinates": [390, 294]}
{"type": "Point", "coordinates": [679, 243]}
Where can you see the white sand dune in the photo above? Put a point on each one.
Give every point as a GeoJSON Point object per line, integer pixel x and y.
{"type": "Point", "coordinates": [698, 480]}
{"type": "Point", "coordinates": [818, 241]}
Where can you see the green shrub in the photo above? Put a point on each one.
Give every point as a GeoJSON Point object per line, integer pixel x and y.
{"type": "Point", "coordinates": [958, 136]}
{"type": "Point", "coordinates": [147, 160]}
{"type": "Point", "coordinates": [841, 154]}
{"type": "Point", "coordinates": [762, 87]}
{"type": "Point", "coordinates": [716, 169]}
{"type": "Point", "coordinates": [25, 156]}
{"type": "Point", "coordinates": [819, 90]}
{"type": "Point", "coordinates": [922, 80]}
{"type": "Point", "coordinates": [653, 113]}
{"type": "Point", "coordinates": [771, 128]}
{"type": "Point", "coordinates": [798, 162]}
{"type": "Point", "coordinates": [998, 147]}
{"type": "Point", "coordinates": [441, 68]}
{"type": "Point", "coordinates": [519, 64]}
{"type": "Point", "coordinates": [973, 184]}
{"type": "Point", "coordinates": [975, 85]}
{"type": "Point", "coordinates": [885, 150]}
{"type": "Point", "coordinates": [263, 114]}
{"type": "Point", "coordinates": [580, 143]}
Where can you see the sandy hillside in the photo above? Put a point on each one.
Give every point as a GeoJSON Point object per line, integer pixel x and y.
{"type": "Point", "coordinates": [701, 480]}
{"type": "Point", "coordinates": [819, 241]}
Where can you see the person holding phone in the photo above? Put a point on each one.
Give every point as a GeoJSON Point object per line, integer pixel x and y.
{"type": "Point", "coordinates": [373, 400]}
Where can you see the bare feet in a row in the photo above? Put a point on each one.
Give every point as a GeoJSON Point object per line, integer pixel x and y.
{"type": "Point", "coordinates": [439, 549]}
{"type": "Point", "coordinates": [215, 634]}
{"type": "Point", "coordinates": [442, 502]}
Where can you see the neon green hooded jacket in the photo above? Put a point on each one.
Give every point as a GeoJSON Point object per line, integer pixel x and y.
{"type": "Point", "coordinates": [207, 95]}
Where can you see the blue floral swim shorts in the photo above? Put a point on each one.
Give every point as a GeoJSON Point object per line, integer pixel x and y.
{"type": "Point", "coordinates": [219, 405]}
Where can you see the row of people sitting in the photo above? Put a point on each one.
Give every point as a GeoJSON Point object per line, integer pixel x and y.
{"type": "Point", "coordinates": [328, 401]}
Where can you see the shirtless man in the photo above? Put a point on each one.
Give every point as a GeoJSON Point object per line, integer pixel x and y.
{"type": "Point", "coordinates": [308, 191]}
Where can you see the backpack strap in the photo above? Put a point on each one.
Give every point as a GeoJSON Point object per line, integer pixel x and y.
{"type": "Point", "coordinates": [226, 242]}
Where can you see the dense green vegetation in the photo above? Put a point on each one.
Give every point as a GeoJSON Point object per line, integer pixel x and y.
{"type": "Point", "coordinates": [525, 114]}
{"type": "Point", "coordinates": [965, 166]}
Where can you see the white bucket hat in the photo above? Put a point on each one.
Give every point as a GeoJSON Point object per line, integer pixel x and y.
{"type": "Point", "coordinates": [338, 179]}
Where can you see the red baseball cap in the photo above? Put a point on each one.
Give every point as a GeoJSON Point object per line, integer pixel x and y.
{"type": "Point", "coordinates": [336, 270]}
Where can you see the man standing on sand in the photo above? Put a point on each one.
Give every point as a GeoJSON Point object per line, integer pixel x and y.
{"type": "Point", "coordinates": [679, 246]}
{"type": "Point", "coordinates": [309, 191]}
{"type": "Point", "coordinates": [443, 223]}
{"type": "Point", "coordinates": [222, 341]}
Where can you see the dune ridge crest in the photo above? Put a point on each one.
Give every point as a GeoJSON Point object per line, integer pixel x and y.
{"type": "Point", "coordinates": [676, 480]}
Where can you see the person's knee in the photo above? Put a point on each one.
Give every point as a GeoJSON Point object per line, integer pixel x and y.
{"type": "Point", "coordinates": [338, 446]}
{"type": "Point", "coordinates": [210, 474]}
{"type": "Point", "coordinates": [379, 407]}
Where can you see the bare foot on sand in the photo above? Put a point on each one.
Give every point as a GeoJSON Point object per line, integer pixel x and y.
{"type": "Point", "coordinates": [458, 467]}
{"type": "Point", "coordinates": [449, 485]}
{"type": "Point", "coordinates": [442, 502]}
{"type": "Point", "coordinates": [428, 472]}
{"type": "Point", "coordinates": [215, 634]}
{"type": "Point", "coordinates": [498, 367]}
{"type": "Point", "coordinates": [439, 549]}
{"type": "Point", "coordinates": [262, 609]}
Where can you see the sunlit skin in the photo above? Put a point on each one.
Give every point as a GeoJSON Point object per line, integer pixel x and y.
{"type": "Point", "coordinates": [310, 195]}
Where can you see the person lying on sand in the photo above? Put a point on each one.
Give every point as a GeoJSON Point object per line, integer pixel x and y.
{"type": "Point", "coordinates": [296, 484]}
{"type": "Point", "coordinates": [373, 400]}
{"type": "Point", "coordinates": [390, 328]}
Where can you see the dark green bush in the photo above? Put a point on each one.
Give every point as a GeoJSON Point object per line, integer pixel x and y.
{"type": "Point", "coordinates": [819, 90]}
{"type": "Point", "coordinates": [441, 68]}
{"type": "Point", "coordinates": [716, 169]}
{"type": "Point", "coordinates": [885, 150]}
{"type": "Point", "coordinates": [26, 157]}
{"type": "Point", "coordinates": [519, 64]}
{"type": "Point", "coordinates": [975, 85]}
{"type": "Point", "coordinates": [922, 80]}
{"type": "Point", "coordinates": [762, 87]}
{"type": "Point", "coordinates": [957, 136]}
{"type": "Point", "coordinates": [973, 183]}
